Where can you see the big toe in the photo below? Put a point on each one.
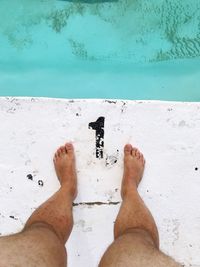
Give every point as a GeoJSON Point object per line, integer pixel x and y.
{"type": "Point", "coordinates": [70, 149]}
{"type": "Point", "coordinates": [127, 149]}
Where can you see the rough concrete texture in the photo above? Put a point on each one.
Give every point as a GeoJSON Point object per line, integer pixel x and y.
{"type": "Point", "coordinates": [166, 132]}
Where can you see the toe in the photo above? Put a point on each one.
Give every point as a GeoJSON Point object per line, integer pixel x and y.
{"type": "Point", "coordinates": [127, 149]}
{"type": "Point", "coordinates": [59, 152]}
{"type": "Point", "coordinates": [142, 157]}
{"type": "Point", "coordinates": [63, 150]}
{"type": "Point", "coordinates": [138, 154]}
{"type": "Point", "coordinates": [134, 150]}
{"type": "Point", "coordinates": [69, 148]}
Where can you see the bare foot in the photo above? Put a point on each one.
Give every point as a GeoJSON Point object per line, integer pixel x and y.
{"type": "Point", "coordinates": [134, 163]}
{"type": "Point", "coordinates": [64, 162]}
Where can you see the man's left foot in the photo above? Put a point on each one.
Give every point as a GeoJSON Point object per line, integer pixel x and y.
{"type": "Point", "coordinates": [134, 164]}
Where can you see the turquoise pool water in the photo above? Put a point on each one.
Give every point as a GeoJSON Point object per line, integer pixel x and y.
{"type": "Point", "coordinates": [126, 49]}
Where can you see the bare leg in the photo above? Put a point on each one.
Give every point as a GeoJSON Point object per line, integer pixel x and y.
{"type": "Point", "coordinates": [136, 236]}
{"type": "Point", "coordinates": [42, 241]}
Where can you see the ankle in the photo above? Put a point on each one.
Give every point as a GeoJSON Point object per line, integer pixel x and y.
{"type": "Point", "coordinates": [69, 192]}
{"type": "Point", "coordinates": [129, 192]}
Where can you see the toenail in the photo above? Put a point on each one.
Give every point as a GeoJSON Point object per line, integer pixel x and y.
{"type": "Point", "coordinates": [69, 145]}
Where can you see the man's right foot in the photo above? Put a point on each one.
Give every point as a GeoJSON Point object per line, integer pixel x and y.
{"type": "Point", "coordinates": [134, 163]}
{"type": "Point", "coordinates": [64, 162]}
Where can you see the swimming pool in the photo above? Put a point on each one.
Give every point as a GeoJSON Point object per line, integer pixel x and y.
{"type": "Point", "coordinates": [125, 49]}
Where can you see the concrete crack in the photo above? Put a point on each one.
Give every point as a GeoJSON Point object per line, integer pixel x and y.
{"type": "Point", "coordinates": [95, 203]}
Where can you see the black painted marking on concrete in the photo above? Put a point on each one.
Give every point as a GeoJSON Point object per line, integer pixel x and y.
{"type": "Point", "coordinates": [95, 203]}
{"type": "Point", "coordinates": [30, 176]}
{"type": "Point", "coordinates": [40, 183]}
{"type": "Point", "coordinates": [98, 126]}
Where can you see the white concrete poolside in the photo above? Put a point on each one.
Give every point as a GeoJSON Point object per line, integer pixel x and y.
{"type": "Point", "coordinates": [166, 132]}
